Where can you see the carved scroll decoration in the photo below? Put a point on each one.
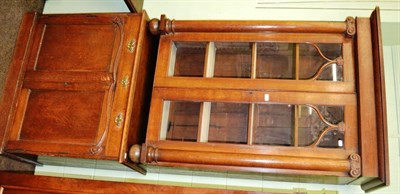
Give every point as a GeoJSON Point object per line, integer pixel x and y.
{"type": "Point", "coordinates": [338, 61]}
{"type": "Point", "coordinates": [355, 165]}
{"type": "Point", "coordinates": [331, 126]}
{"type": "Point", "coordinates": [96, 149]}
{"type": "Point", "coordinates": [350, 27]}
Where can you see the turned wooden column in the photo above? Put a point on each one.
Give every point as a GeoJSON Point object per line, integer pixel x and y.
{"type": "Point", "coordinates": [168, 26]}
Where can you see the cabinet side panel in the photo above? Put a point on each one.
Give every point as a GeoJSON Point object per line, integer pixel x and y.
{"type": "Point", "coordinates": [11, 87]}
{"type": "Point", "coordinates": [143, 93]}
{"type": "Point", "coordinates": [139, 101]}
{"type": "Point", "coordinates": [380, 98]}
{"type": "Point", "coordinates": [124, 85]}
{"type": "Point", "coordinates": [366, 100]}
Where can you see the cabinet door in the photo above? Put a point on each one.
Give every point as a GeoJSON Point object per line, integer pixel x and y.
{"type": "Point", "coordinates": [257, 102]}
{"type": "Point", "coordinates": [68, 91]}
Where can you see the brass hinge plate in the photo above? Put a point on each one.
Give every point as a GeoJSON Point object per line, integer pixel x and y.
{"type": "Point", "coordinates": [132, 45]}
{"type": "Point", "coordinates": [119, 119]}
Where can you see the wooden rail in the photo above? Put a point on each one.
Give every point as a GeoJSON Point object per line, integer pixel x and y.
{"type": "Point", "coordinates": [154, 155]}
{"type": "Point", "coordinates": [167, 26]}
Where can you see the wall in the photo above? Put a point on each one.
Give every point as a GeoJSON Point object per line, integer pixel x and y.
{"type": "Point", "coordinates": [247, 9]}
{"type": "Point", "coordinates": [84, 6]}
{"type": "Point", "coordinates": [322, 10]}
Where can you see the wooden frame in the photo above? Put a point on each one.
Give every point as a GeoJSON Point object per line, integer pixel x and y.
{"type": "Point", "coordinates": [209, 89]}
{"type": "Point", "coordinates": [364, 105]}
{"type": "Point", "coordinates": [164, 80]}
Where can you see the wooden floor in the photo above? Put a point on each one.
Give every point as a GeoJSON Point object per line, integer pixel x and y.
{"type": "Point", "coordinates": [22, 183]}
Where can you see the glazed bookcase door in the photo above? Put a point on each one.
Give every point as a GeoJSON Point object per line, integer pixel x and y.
{"type": "Point", "coordinates": [274, 102]}
{"type": "Point", "coordinates": [70, 84]}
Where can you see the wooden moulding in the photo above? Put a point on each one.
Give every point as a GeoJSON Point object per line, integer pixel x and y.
{"type": "Point", "coordinates": [167, 26]}
{"type": "Point", "coordinates": [380, 107]}
{"type": "Point", "coordinates": [380, 97]}
{"type": "Point", "coordinates": [155, 155]}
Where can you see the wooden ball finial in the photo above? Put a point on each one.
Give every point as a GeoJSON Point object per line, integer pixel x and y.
{"type": "Point", "coordinates": [154, 26]}
{"type": "Point", "coordinates": [134, 153]}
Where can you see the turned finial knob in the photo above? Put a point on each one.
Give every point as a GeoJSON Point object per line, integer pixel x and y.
{"type": "Point", "coordinates": [154, 26]}
{"type": "Point", "coordinates": [134, 153]}
{"type": "Point", "coordinates": [161, 26]}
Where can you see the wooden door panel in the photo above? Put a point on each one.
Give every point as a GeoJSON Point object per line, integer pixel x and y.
{"type": "Point", "coordinates": [76, 47]}
{"type": "Point", "coordinates": [69, 84]}
{"type": "Point", "coordinates": [62, 116]}
{"type": "Point", "coordinates": [76, 42]}
{"type": "Point", "coordinates": [76, 82]}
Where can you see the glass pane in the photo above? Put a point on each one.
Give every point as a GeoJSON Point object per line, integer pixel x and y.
{"type": "Point", "coordinates": [332, 139]}
{"type": "Point", "coordinates": [311, 125]}
{"type": "Point", "coordinates": [228, 123]}
{"type": "Point", "coordinates": [183, 121]}
{"type": "Point", "coordinates": [273, 124]}
{"type": "Point", "coordinates": [312, 61]}
{"type": "Point", "coordinates": [232, 59]}
{"type": "Point", "coordinates": [189, 59]}
{"type": "Point", "coordinates": [275, 61]}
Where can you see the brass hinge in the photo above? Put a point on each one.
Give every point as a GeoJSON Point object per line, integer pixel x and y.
{"type": "Point", "coordinates": [131, 45]}
{"type": "Point", "coordinates": [119, 119]}
{"type": "Point", "coordinates": [125, 81]}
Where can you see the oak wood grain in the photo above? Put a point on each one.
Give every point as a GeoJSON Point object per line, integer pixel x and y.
{"type": "Point", "coordinates": [23, 183]}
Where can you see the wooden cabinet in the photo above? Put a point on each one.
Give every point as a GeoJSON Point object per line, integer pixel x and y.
{"type": "Point", "coordinates": [280, 97]}
{"type": "Point", "coordinates": [79, 85]}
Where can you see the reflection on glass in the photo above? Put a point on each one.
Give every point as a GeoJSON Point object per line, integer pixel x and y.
{"type": "Point", "coordinates": [228, 123]}
{"type": "Point", "coordinates": [189, 59]}
{"type": "Point", "coordinates": [183, 121]}
{"type": "Point", "coordinates": [275, 61]}
{"type": "Point", "coordinates": [273, 124]}
{"type": "Point", "coordinates": [332, 139]}
{"type": "Point", "coordinates": [323, 65]}
{"type": "Point", "coordinates": [311, 125]}
{"type": "Point", "coordinates": [232, 59]}
{"type": "Point", "coordinates": [304, 61]}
